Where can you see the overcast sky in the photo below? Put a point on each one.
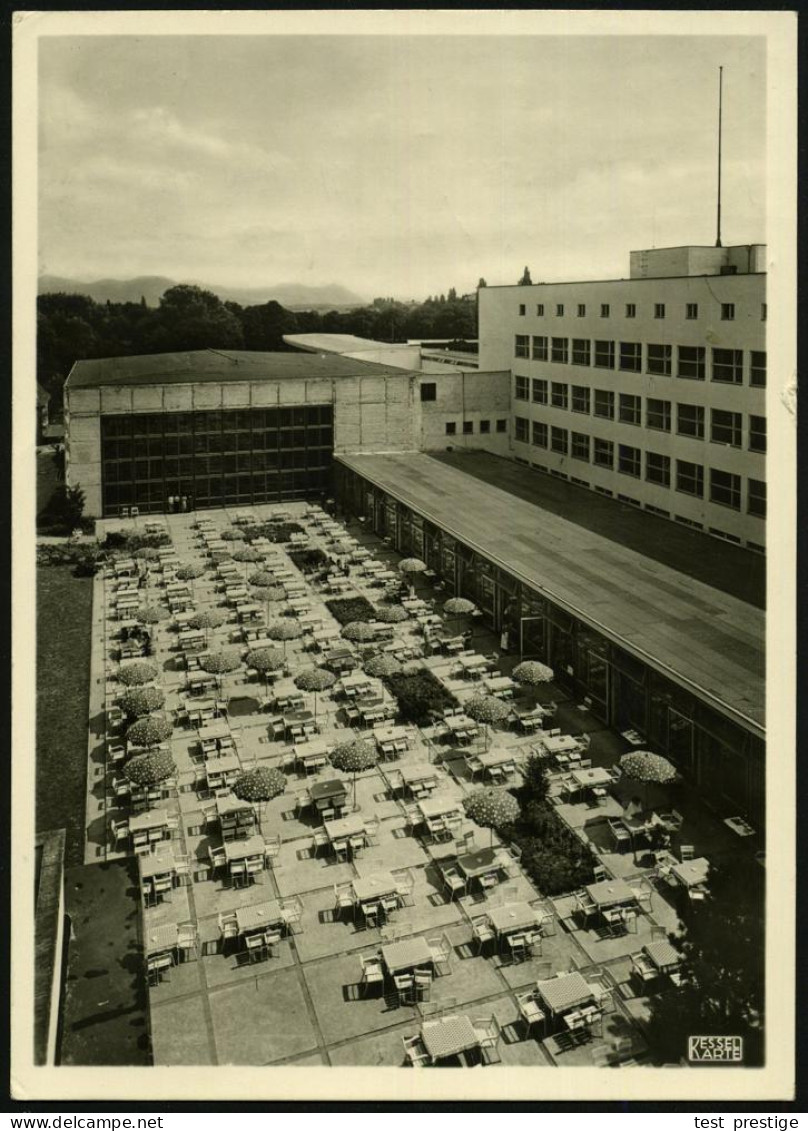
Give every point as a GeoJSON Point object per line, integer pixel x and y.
{"type": "Point", "coordinates": [393, 165]}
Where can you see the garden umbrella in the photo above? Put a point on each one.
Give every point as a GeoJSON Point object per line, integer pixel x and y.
{"type": "Point", "coordinates": [211, 618]}
{"type": "Point", "coordinates": [284, 630]}
{"type": "Point", "coordinates": [220, 663]}
{"type": "Point", "coordinates": [411, 566]}
{"type": "Point", "coordinates": [381, 665]}
{"type": "Point", "coordinates": [262, 577]}
{"type": "Point", "coordinates": [151, 614]}
{"type": "Point", "coordinates": [491, 807]}
{"type": "Point", "coordinates": [149, 731]}
{"type": "Point", "coordinates": [486, 709]}
{"type": "Point", "coordinates": [269, 593]}
{"type": "Point", "coordinates": [359, 630]}
{"type": "Point", "coordinates": [233, 535]}
{"type": "Point", "coordinates": [150, 769]}
{"type": "Point", "coordinates": [353, 758]}
{"type": "Point", "coordinates": [391, 614]}
{"type": "Point", "coordinates": [139, 701]}
{"type": "Point", "coordinates": [139, 672]}
{"type": "Point", "coordinates": [315, 679]}
{"type": "Point", "coordinates": [260, 785]}
{"type": "Point", "coordinates": [247, 555]}
{"type": "Point", "coordinates": [648, 769]}
{"type": "Point", "coordinates": [265, 660]}
{"type": "Point", "coordinates": [190, 572]}
{"type": "Point", "coordinates": [532, 672]}
{"type": "Point", "coordinates": [459, 606]}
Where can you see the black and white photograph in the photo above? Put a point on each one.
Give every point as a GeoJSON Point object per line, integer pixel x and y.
{"type": "Point", "coordinates": [392, 396]}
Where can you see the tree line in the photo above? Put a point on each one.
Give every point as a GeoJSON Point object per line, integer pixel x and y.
{"type": "Point", "coordinates": [72, 327]}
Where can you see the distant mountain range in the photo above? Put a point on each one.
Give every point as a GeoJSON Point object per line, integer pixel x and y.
{"type": "Point", "coordinates": [294, 296]}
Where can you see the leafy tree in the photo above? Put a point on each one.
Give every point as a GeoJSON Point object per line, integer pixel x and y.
{"type": "Point", "coordinates": [723, 956]}
{"type": "Point", "coordinates": [67, 505]}
{"type": "Point", "coordinates": [526, 280]}
{"type": "Point", "coordinates": [190, 318]}
{"type": "Point", "coordinates": [535, 786]}
{"type": "Point", "coordinates": [264, 326]}
{"type": "Point", "coordinates": [481, 283]}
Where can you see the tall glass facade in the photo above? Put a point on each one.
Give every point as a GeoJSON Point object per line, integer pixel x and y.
{"type": "Point", "coordinates": [211, 459]}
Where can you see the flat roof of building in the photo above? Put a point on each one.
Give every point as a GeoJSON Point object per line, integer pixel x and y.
{"type": "Point", "coordinates": [702, 638]}
{"type": "Point", "coordinates": [201, 366]}
{"type": "Point", "coordinates": [337, 343]}
{"type": "Point", "coordinates": [621, 279]}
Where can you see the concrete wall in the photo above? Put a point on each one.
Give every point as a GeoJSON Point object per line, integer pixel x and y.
{"type": "Point", "coordinates": [501, 321]}
{"type": "Point", "coordinates": [371, 413]}
{"type": "Point", "coordinates": [465, 396]}
{"type": "Point", "coordinates": [661, 262]}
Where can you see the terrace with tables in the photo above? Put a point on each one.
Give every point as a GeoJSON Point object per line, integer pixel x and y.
{"type": "Point", "coordinates": [362, 918]}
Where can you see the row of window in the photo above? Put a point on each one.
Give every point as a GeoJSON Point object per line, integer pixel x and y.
{"type": "Point", "coordinates": [725, 487]}
{"type": "Point", "coordinates": [468, 427]}
{"type": "Point", "coordinates": [727, 365]}
{"type": "Point", "coordinates": [214, 421]}
{"type": "Point", "coordinates": [725, 427]}
{"type": "Point", "coordinates": [630, 310]}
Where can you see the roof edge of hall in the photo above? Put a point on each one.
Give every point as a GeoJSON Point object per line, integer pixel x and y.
{"type": "Point", "coordinates": [192, 366]}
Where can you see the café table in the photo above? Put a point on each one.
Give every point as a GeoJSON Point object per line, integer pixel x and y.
{"type": "Point", "coordinates": [414, 604]}
{"type": "Point", "coordinates": [610, 893]}
{"type": "Point", "coordinates": [479, 863]}
{"type": "Point", "coordinates": [432, 808]}
{"type": "Point", "coordinates": [449, 1036]}
{"type": "Point", "coordinates": [559, 743]}
{"type": "Point", "coordinates": [375, 708]}
{"type": "Point", "coordinates": [390, 734]}
{"type": "Point", "coordinates": [149, 820]}
{"type": "Point", "coordinates": [406, 954]}
{"type": "Point", "coordinates": [259, 916]}
{"type": "Point", "coordinates": [199, 681]}
{"type": "Point", "coordinates": [311, 753]}
{"type": "Point", "coordinates": [340, 659]}
{"type": "Point", "coordinates": [158, 864]}
{"type": "Point", "coordinates": [662, 955]}
{"type": "Point", "coordinates": [378, 885]}
{"type": "Point", "coordinates": [569, 991]}
{"type": "Point", "coordinates": [463, 723]}
{"type": "Point", "coordinates": [356, 683]}
{"type": "Point", "coordinates": [293, 719]}
{"type": "Point", "coordinates": [252, 848]}
{"type": "Point", "coordinates": [215, 730]}
{"type": "Point", "coordinates": [249, 610]}
{"type": "Point", "coordinates": [592, 778]}
{"type": "Point", "coordinates": [511, 918]}
{"type": "Point", "coordinates": [691, 873]}
{"type": "Point", "coordinates": [344, 829]}
{"type": "Point", "coordinates": [419, 775]}
{"type": "Point", "coordinates": [499, 685]}
{"type": "Point", "coordinates": [328, 794]}
{"type": "Point", "coordinates": [161, 937]}
{"type": "Point", "coordinates": [231, 806]}
{"type": "Point", "coordinates": [474, 665]}
{"type": "Point", "coordinates": [495, 757]}
{"type": "Point", "coordinates": [325, 635]}
{"type": "Point", "coordinates": [222, 771]}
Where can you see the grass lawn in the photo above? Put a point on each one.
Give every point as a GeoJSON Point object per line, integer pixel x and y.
{"type": "Point", "coordinates": [64, 606]}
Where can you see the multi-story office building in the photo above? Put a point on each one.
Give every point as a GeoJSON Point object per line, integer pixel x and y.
{"type": "Point", "coordinates": [649, 389]}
